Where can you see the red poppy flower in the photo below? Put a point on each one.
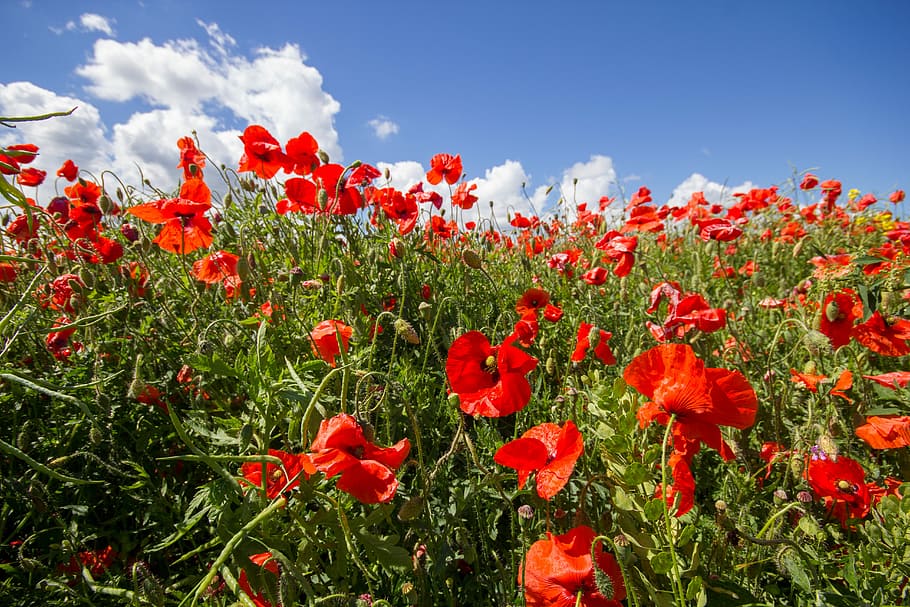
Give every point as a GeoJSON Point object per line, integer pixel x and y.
{"type": "Point", "coordinates": [588, 333]}
{"type": "Point", "coordinates": [444, 166]}
{"type": "Point", "coordinates": [215, 267]}
{"type": "Point", "coordinates": [893, 380]}
{"type": "Point", "coordinates": [595, 276]}
{"type": "Point", "coordinates": [719, 229]}
{"type": "Point", "coordinates": [341, 198]}
{"type": "Point", "coordinates": [559, 572]}
{"type": "Point", "coordinates": [886, 432]}
{"type": "Point", "coordinates": [548, 450]}
{"type": "Point", "coordinates": [58, 342]}
{"type": "Point", "coordinates": [68, 170]}
{"type": "Point", "coordinates": [24, 153]}
{"type": "Point", "coordinates": [8, 271]}
{"type": "Point", "coordinates": [490, 381]}
{"type": "Point", "coordinates": [531, 301]}
{"type": "Point", "coordinates": [278, 479]}
{"type": "Point", "coordinates": [367, 470]}
{"type": "Point", "coordinates": [185, 226]}
{"type": "Point", "coordinates": [192, 161]}
{"type": "Point", "coordinates": [261, 152]}
{"type": "Point", "coordinates": [884, 337]}
{"type": "Point", "coordinates": [8, 164]}
{"type": "Point", "coordinates": [526, 329]}
{"type": "Point", "coordinates": [400, 208]}
{"type": "Point", "coordinates": [619, 249]}
{"type": "Point", "coordinates": [31, 177]}
{"type": "Point", "coordinates": [362, 176]}
{"type": "Point", "coordinates": [325, 337]}
{"type": "Point", "coordinates": [86, 192]}
{"type": "Point", "coordinates": [552, 313]}
{"type": "Point", "coordinates": [809, 182]}
{"type": "Point", "coordinates": [839, 311]}
{"type": "Point", "coordinates": [301, 157]}
{"type": "Point", "coordinates": [702, 399]}
{"type": "Point", "coordinates": [97, 561]}
{"type": "Point", "coordinates": [462, 196]}
{"type": "Point", "coordinates": [897, 196]}
{"type": "Point", "coordinates": [266, 563]}
{"type": "Point", "coordinates": [841, 484]}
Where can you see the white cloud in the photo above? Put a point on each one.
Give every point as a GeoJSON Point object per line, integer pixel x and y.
{"type": "Point", "coordinates": [404, 174]}
{"type": "Point", "coordinates": [587, 181]}
{"type": "Point", "coordinates": [190, 86]}
{"type": "Point", "coordinates": [80, 136]}
{"type": "Point", "coordinates": [506, 185]}
{"type": "Point", "coordinates": [383, 127]}
{"type": "Point", "coordinates": [713, 191]}
{"type": "Point", "coordinates": [92, 22]}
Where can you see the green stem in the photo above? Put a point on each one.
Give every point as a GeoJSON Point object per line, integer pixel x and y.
{"type": "Point", "coordinates": [678, 592]}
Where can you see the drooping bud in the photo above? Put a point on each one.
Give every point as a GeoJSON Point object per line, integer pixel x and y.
{"type": "Point", "coordinates": [406, 331]}
{"type": "Point", "coordinates": [472, 259]}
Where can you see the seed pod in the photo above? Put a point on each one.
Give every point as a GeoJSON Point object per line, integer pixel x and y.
{"type": "Point", "coordinates": [339, 284]}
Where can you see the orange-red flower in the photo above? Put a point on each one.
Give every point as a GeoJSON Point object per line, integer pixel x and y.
{"type": "Point", "coordinates": [278, 479]}
{"type": "Point", "coordinates": [266, 563]}
{"type": "Point", "coordinates": [893, 380]}
{"type": "Point", "coordinates": [884, 337]}
{"type": "Point", "coordinates": [839, 311]}
{"type": "Point", "coordinates": [68, 170]}
{"type": "Point", "coordinates": [809, 182]}
{"type": "Point", "coordinates": [185, 226]}
{"type": "Point", "coordinates": [325, 337]}
{"type": "Point", "coordinates": [367, 470]}
{"type": "Point", "coordinates": [192, 161]}
{"type": "Point", "coordinates": [444, 166]}
{"type": "Point", "coordinates": [489, 380]}
{"type": "Point", "coordinates": [31, 177]}
{"type": "Point", "coordinates": [549, 450]}
{"type": "Point", "coordinates": [215, 267]}
{"type": "Point", "coordinates": [301, 157]}
{"type": "Point", "coordinates": [886, 431]}
{"type": "Point", "coordinates": [619, 249]}
{"type": "Point", "coordinates": [341, 197]}
{"type": "Point", "coordinates": [588, 333]}
{"type": "Point", "coordinates": [699, 399]}
{"type": "Point", "coordinates": [462, 196]}
{"type": "Point", "coordinates": [897, 196]}
{"type": "Point", "coordinates": [531, 301]}
{"type": "Point", "coordinates": [559, 572]}
{"type": "Point", "coordinates": [261, 152]}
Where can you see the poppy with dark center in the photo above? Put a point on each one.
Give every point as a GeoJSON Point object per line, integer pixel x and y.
{"type": "Point", "coordinates": [367, 471]}
{"type": "Point", "coordinates": [560, 572]}
{"type": "Point", "coordinates": [278, 479]}
{"type": "Point", "coordinates": [839, 311]}
{"type": "Point", "coordinates": [548, 450]}
{"type": "Point", "coordinates": [841, 484]}
{"type": "Point", "coordinates": [489, 380]}
{"type": "Point", "coordinates": [185, 226]}
{"type": "Point", "coordinates": [532, 301]}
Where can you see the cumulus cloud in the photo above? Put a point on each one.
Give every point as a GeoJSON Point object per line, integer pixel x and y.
{"type": "Point", "coordinates": [506, 186]}
{"type": "Point", "coordinates": [713, 191]}
{"type": "Point", "coordinates": [80, 136]}
{"type": "Point", "coordinates": [383, 127]}
{"type": "Point", "coordinates": [586, 182]}
{"type": "Point", "coordinates": [405, 173]}
{"type": "Point", "coordinates": [88, 22]}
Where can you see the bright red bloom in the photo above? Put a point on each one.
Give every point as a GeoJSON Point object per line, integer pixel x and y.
{"type": "Point", "coordinates": [841, 484]}
{"type": "Point", "coordinates": [68, 170]}
{"type": "Point", "coordinates": [362, 176]}
{"type": "Point", "coordinates": [278, 479]}
{"type": "Point", "coordinates": [619, 249]}
{"type": "Point", "coordinates": [719, 229]}
{"type": "Point", "coordinates": [444, 166]}
{"type": "Point", "coordinates": [548, 450]}
{"type": "Point", "coordinates": [702, 399]}
{"type": "Point", "coordinates": [85, 192]}
{"type": "Point", "coordinates": [886, 432]}
{"type": "Point", "coordinates": [59, 342]}
{"type": "Point", "coordinates": [266, 563]}
{"type": "Point", "coordinates": [24, 227]}
{"type": "Point", "coordinates": [552, 313]}
{"type": "Point", "coordinates": [684, 313]}
{"type": "Point", "coordinates": [462, 196]}
{"type": "Point", "coordinates": [831, 190]}
{"type": "Point", "coordinates": [97, 561]}
{"type": "Point", "coordinates": [8, 164]}
{"type": "Point", "coordinates": [588, 333]}
{"type": "Point", "coordinates": [300, 197]}
{"type": "Point", "coordinates": [31, 177]}
{"type": "Point", "coordinates": [261, 152]}
{"type": "Point", "coordinates": [24, 153]}
{"type": "Point", "coordinates": [367, 470]}
{"type": "Point", "coordinates": [215, 267]}
{"type": "Point", "coordinates": [7, 271]}
{"type": "Point", "coordinates": [897, 196]}
{"type": "Point", "coordinates": [185, 226]}
{"type": "Point", "coordinates": [809, 182]}
{"type": "Point", "coordinates": [839, 311]}
{"type": "Point", "coordinates": [342, 199]}
{"type": "Point", "coordinates": [595, 276]}
{"type": "Point", "coordinates": [301, 157]}
{"type": "Point", "coordinates": [559, 569]}
{"type": "Point", "coordinates": [192, 161]}
{"type": "Point", "coordinates": [489, 380]}
{"type": "Point", "coordinates": [400, 208]}
{"type": "Point", "coordinates": [888, 338]}
{"type": "Point", "coordinates": [325, 338]}
{"type": "Point", "coordinates": [531, 301]}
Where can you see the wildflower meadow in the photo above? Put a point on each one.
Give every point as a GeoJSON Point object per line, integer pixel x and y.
{"type": "Point", "coordinates": [285, 382]}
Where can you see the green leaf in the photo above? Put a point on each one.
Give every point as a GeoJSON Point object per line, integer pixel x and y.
{"type": "Point", "coordinates": [694, 588]}
{"type": "Point", "coordinates": [384, 551]}
{"type": "Point", "coordinates": [212, 364]}
{"type": "Point", "coordinates": [621, 499]}
{"type": "Point", "coordinates": [636, 474]}
{"type": "Point", "coordinates": [654, 509]}
{"type": "Point", "coordinates": [662, 562]}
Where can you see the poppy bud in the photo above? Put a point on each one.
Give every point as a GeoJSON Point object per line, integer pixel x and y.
{"type": "Point", "coordinates": [406, 331]}
{"type": "Point", "coordinates": [551, 366]}
{"type": "Point", "coordinates": [425, 309]}
{"type": "Point", "coordinates": [339, 284]}
{"type": "Point", "coordinates": [106, 205]}
{"type": "Point", "coordinates": [804, 497]}
{"type": "Point", "coordinates": [119, 194]}
{"type": "Point", "coordinates": [471, 259]}
{"type": "Point", "coordinates": [387, 174]}
{"type": "Point", "coordinates": [603, 582]}
{"type": "Point", "coordinates": [411, 509]}
{"type": "Point", "coordinates": [525, 512]}
{"type": "Point", "coordinates": [832, 311]}
{"type": "Point", "coordinates": [243, 268]}
{"type": "Point", "coordinates": [87, 277]}
{"type": "Point", "coordinates": [145, 244]}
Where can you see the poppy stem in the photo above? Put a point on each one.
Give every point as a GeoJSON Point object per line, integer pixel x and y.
{"type": "Point", "coordinates": [678, 591]}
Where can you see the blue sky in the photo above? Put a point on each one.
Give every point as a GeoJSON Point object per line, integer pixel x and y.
{"type": "Point", "coordinates": [673, 95]}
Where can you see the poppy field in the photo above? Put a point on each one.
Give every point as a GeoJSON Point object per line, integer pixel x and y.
{"type": "Point", "coordinates": [286, 382]}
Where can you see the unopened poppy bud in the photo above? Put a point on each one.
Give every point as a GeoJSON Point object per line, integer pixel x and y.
{"type": "Point", "coordinates": [780, 495]}
{"type": "Point", "coordinates": [425, 309]}
{"type": "Point", "coordinates": [603, 582]}
{"type": "Point", "coordinates": [339, 284]}
{"type": "Point", "coordinates": [525, 512]}
{"type": "Point", "coordinates": [453, 399]}
{"type": "Point", "coordinates": [832, 311]}
{"type": "Point", "coordinates": [76, 300]}
{"type": "Point", "coordinates": [551, 366]}
{"type": "Point", "coordinates": [322, 198]}
{"type": "Point", "coordinates": [387, 174]}
{"type": "Point", "coordinates": [804, 497]}
{"type": "Point", "coordinates": [323, 156]}
{"type": "Point", "coordinates": [471, 259]}
{"type": "Point", "coordinates": [810, 368]}
{"type": "Point", "coordinates": [119, 194]}
{"type": "Point", "coordinates": [105, 204]}
{"type": "Point", "coordinates": [243, 268]}
{"type": "Point", "coordinates": [406, 331]}
{"type": "Point", "coordinates": [87, 277]}
{"type": "Point", "coordinates": [145, 244]}
{"type": "Point", "coordinates": [96, 436]}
